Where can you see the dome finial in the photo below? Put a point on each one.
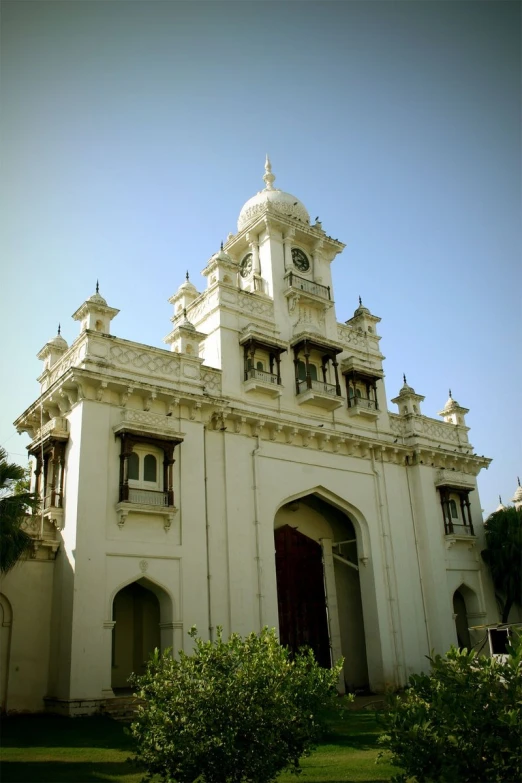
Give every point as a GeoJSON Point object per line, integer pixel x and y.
{"type": "Point", "coordinates": [187, 276]}
{"type": "Point", "coordinates": [360, 302]}
{"type": "Point", "coordinates": [269, 178]}
{"type": "Point", "coordinates": [450, 395]}
{"type": "Point", "coordinates": [404, 378]}
{"type": "Point", "coordinates": [222, 246]}
{"type": "Point", "coordinates": [97, 286]}
{"type": "Point", "coordinates": [60, 331]}
{"type": "Point", "coordinates": [518, 480]}
{"type": "Point", "coordinates": [500, 500]}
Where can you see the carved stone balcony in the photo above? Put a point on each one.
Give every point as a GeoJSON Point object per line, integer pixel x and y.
{"type": "Point", "coordinates": [324, 395]}
{"type": "Point", "coordinates": [363, 406]}
{"type": "Point", "coordinates": [260, 381]}
{"type": "Point", "coordinates": [454, 479]}
{"type": "Point", "coordinates": [307, 287]}
{"type": "Point", "coordinates": [55, 428]}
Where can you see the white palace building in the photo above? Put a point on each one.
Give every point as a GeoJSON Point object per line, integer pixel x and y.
{"type": "Point", "coordinates": [248, 475]}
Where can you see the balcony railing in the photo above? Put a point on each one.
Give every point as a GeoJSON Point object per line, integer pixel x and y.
{"type": "Point", "coordinates": [53, 500]}
{"type": "Point", "coordinates": [319, 386]}
{"type": "Point", "coordinates": [452, 528]}
{"type": "Point", "coordinates": [308, 286]}
{"type": "Point", "coordinates": [261, 375]}
{"type": "Point", "coordinates": [148, 497]}
{"type": "Point", "coordinates": [362, 402]}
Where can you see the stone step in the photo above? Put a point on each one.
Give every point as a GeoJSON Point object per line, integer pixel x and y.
{"type": "Point", "coordinates": [121, 708]}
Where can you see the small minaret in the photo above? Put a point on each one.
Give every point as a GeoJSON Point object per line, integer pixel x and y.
{"type": "Point", "coordinates": [517, 497]}
{"type": "Point", "coordinates": [95, 314]}
{"type": "Point", "coordinates": [408, 400]}
{"type": "Point", "coordinates": [185, 339]}
{"type": "Point", "coordinates": [453, 413]}
{"type": "Point", "coordinates": [364, 320]}
{"type": "Point", "coordinates": [184, 296]}
{"type": "Point", "coordinates": [52, 350]}
{"type": "Point", "coordinates": [221, 268]}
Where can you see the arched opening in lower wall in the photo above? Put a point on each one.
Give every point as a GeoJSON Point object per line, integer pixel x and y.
{"type": "Point", "coordinates": [6, 617]}
{"type": "Point", "coordinates": [318, 585]}
{"type": "Point", "coordinates": [136, 631]}
{"type": "Point", "coordinates": [464, 604]}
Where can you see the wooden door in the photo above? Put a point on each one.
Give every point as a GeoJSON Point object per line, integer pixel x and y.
{"type": "Point", "coordinates": [300, 593]}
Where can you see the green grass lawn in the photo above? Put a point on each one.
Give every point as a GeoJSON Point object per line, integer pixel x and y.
{"type": "Point", "coordinates": [87, 750]}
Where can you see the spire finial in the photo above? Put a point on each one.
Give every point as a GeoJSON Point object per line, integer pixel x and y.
{"type": "Point", "coordinates": [187, 276]}
{"type": "Point", "coordinates": [268, 178]}
{"type": "Point", "coordinates": [222, 246]}
{"type": "Point", "coordinates": [59, 329]}
{"type": "Point", "coordinates": [404, 378]}
{"type": "Point", "coordinates": [450, 395]}
{"type": "Point", "coordinates": [97, 286]}
{"type": "Point", "coordinates": [500, 500]}
{"type": "Point", "coordinates": [360, 302]}
{"type": "Point", "coordinates": [518, 479]}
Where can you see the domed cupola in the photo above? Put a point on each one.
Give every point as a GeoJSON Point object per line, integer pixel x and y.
{"type": "Point", "coordinates": [278, 200]}
{"type": "Point", "coordinates": [184, 296]}
{"type": "Point", "coordinates": [453, 413]}
{"type": "Point", "coordinates": [517, 497]}
{"type": "Point", "coordinates": [53, 350]}
{"type": "Point", "coordinates": [408, 400]}
{"type": "Point", "coordinates": [95, 313]}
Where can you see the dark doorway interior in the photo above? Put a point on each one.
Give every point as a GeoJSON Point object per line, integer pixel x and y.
{"type": "Point", "coordinates": [300, 594]}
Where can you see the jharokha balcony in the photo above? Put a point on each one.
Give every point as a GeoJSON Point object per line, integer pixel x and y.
{"type": "Point", "coordinates": [313, 359]}
{"type": "Point", "coordinates": [262, 365]}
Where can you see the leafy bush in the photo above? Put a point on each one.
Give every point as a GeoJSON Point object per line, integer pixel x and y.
{"type": "Point", "coordinates": [236, 710]}
{"type": "Point", "coordinates": [462, 722]}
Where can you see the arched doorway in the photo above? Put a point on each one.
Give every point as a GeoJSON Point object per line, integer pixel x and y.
{"type": "Point", "coordinates": [136, 632]}
{"type": "Point", "coordinates": [6, 617]}
{"type": "Point", "coordinates": [318, 586]}
{"type": "Point", "coordinates": [464, 603]}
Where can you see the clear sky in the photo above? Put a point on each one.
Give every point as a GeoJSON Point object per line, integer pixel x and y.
{"type": "Point", "coordinates": [133, 132]}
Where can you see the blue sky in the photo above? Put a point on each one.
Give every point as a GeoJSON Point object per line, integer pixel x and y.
{"type": "Point", "coordinates": [133, 132]}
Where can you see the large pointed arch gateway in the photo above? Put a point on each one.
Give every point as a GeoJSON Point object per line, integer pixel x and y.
{"type": "Point", "coordinates": [318, 584]}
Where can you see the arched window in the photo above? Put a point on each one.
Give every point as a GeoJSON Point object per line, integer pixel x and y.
{"type": "Point", "coordinates": [301, 369]}
{"type": "Point", "coordinates": [453, 509]}
{"type": "Point", "coordinates": [260, 366]}
{"type": "Point", "coordinates": [134, 466]}
{"type": "Point", "coordinates": [149, 468]}
{"type": "Point", "coordinates": [358, 393]}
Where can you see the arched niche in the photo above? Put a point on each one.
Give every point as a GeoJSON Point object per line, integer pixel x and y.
{"type": "Point", "coordinates": [465, 607]}
{"type": "Point", "coordinates": [141, 613]}
{"type": "Point", "coordinates": [6, 619]}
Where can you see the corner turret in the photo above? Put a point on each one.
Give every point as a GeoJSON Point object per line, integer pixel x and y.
{"type": "Point", "coordinates": [95, 313]}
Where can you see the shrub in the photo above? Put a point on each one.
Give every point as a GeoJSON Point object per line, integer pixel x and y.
{"type": "Point", "coordinates": [236, 710]}
{"type": "Point", "coordinates": [462, 722]}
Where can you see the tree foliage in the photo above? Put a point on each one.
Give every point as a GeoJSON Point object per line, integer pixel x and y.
{"type": "Point", "coordinates": [233, 711]}
{"type": "Point", "coordinates": [462, 722]}
{"type": "Point", "coordinates": [503, 556]}
{"type": "Point", "coordinates": [16, 502]}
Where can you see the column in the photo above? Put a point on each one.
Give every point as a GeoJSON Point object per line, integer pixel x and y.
{"type": "Point", "coordinates": [107, 692]}
{"type": "Point", "coordinates": [296, 366]}
{"type": "Point", "coordinates": [332, 607]}
{"type": "Point", "coordinates": [336, 373]}
{"type": "Point", "coordinates": [287, 243]}
{"type": "Point", "coordinates": [307, 365]}
{"type": "Point", "coordinates": [254, 247]}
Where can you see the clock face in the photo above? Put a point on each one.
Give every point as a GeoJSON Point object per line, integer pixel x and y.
{"type": "Point", "coordinates": [300, 260]}
{"type": "Point", "coordinates": [245, 266]}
